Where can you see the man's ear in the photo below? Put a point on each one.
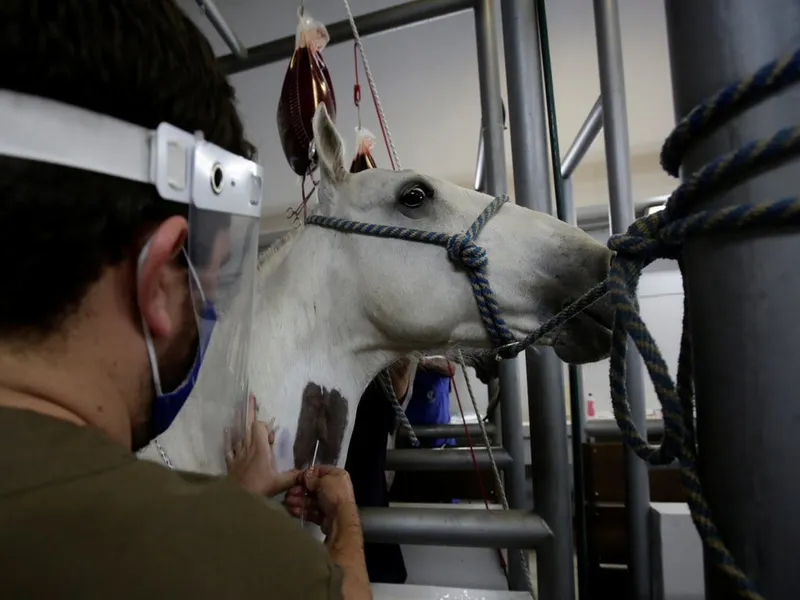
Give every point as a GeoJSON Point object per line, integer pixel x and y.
{"type": "Point", "coordinates": [157, 279]}
{"type": "Point", "coordinates": [330, 157]}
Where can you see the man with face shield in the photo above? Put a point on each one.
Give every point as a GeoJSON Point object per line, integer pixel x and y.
{"type": "Point", "coordinates": [129, 212]}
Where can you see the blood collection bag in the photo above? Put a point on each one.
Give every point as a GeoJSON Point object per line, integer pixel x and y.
{"type": "Point", "coordinates": [307, 84]}
{"type": "Point", "coordinates": [363, 158]}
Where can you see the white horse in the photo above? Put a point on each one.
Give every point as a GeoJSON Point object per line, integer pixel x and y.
{"type": "Point", "coordinates": [333, 308]}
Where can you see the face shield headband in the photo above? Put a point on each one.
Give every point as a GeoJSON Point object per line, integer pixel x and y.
{"type": "Point", "coordinates": [223, 194]}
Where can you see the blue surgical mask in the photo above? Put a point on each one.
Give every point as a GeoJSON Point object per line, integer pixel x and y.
{"type": "Point", "coordinates": [167, 404]}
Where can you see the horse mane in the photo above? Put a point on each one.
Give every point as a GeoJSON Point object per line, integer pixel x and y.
{"type": "Point", "coordinates": [268, 257]}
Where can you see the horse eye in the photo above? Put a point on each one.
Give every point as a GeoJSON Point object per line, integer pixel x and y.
{"type": "Point", "coordinates": [413, 197]}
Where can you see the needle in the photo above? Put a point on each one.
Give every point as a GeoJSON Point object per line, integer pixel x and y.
{"type": "Point", "coordinates": [305, 494]}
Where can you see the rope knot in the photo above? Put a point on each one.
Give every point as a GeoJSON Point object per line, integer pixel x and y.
{"type": "Point", "coordinates": [463, 250]}
{"type": "Point", "coordinates": [643, 241]}
{"type": "Point", "coordinates": [634, 246]}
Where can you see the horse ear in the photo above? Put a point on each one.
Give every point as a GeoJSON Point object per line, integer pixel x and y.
{"type": "Point", "coordinates": [330, 154]}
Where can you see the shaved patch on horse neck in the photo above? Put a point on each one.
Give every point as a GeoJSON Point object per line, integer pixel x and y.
{"type": "Point", "coordinates": [323, 417]}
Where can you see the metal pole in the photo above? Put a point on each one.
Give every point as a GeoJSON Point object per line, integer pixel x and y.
{"type": "Point", "coordinates": [607, 429]}
{"type": "Point", "coordinates": [587, 134]}
{"type": "Point", "coordinates": [549, 446]}
{"type": "Point", "coordinates": [577, 424]}
{"type": "Point", "coordinates": [453, 527]}
{"type": "Point", "coordinates": [480, 175]}
{"type": "Point", "coordinates": [444, 459]}
{"type": "Point", "coordinates": [224, 30]}
{"type": "Point", "coordinates": [495, 179]}
{"type": "Point", "coordinates": [380, 21]}
{"type": "Point", "coordinates": [479, 168]}
{"type": "Point", "coordinates": [450, 430]}
{"type": "Point", "coordinates": [623, 213]}
{"type": "Point", "coordinates": [742, 294]}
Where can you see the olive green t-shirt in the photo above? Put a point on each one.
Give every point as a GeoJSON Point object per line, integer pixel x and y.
{"type": "Point", "coordinates": [82, 518]}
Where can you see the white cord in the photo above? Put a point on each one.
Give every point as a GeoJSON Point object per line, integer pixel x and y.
{"type": "Point", "coordinates": [526, 569]}
{"type": "Point", "coordinates": [371, 81]}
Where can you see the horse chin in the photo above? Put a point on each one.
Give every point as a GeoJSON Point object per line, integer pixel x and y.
{"type": "Point", "coordinates": [586, 338]}
{"type": "Point", "coordinates": [579, 355]}
{"type": "Point", "coordinates": [485, 364]}
{"type": "Point", "coordinates": [582, 345]}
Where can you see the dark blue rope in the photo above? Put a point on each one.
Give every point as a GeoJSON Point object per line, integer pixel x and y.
{"type": "Point", "coordinates": [726, 104]}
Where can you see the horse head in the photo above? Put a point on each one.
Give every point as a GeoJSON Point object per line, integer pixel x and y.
{"type": "Point", "coordinates": [389, 264]}
{"type": "Point", "coordinates": [418, 295]}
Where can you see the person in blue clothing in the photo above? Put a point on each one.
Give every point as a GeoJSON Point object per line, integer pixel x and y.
{"type": "Point", "coordinates": [430, 398]}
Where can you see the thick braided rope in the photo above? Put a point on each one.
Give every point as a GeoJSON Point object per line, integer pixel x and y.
{"type": "Point", "coordinates": [372, 87]}
{"type": "Point", "coordinates": [726, 104]}
{"type": "Point", "coordinates": [660, 236]}
{"type": "Point", "coordinates": [461, 248]}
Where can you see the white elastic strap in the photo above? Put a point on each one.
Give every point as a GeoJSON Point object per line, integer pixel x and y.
{"type": "Point", "coordinates": [39, 129]}
{"type": "Point", "coordinates": [181, 165]}
{"type": "Point", "coordinates": [148, 338]}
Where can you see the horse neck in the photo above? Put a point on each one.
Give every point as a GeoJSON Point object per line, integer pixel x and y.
{"type": "Point", "coordinates": [308, 330]}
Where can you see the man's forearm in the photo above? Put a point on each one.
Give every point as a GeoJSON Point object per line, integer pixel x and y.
{"type": "Point", "coordinates": [346, 547]}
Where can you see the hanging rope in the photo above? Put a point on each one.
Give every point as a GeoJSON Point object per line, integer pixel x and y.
{"type": "Point", "coordinates": [395, 159]}
{"type": "Point", "coordinates": [498, 480]}
{"type": "Point", "coordinates": [471, 446]}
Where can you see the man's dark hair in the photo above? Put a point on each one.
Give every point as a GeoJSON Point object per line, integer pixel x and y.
{"type": "Point", "coordinates": [142, 61]}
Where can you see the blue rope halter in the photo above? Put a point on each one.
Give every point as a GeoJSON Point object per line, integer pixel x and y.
{"type": "Point", "coordinates": [462, 250]}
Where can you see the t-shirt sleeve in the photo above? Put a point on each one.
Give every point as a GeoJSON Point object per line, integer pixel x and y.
{"type": "Point", "coordinates": [232, 544]}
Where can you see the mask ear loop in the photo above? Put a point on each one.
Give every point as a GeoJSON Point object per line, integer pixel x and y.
{"type": "Point", "coordinates": [148, 337]}
{"type": "Point", "coordinates": [195, 277]}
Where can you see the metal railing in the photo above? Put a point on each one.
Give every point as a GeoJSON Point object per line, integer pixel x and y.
{"type": "Point", "coordinates": [549, 531]}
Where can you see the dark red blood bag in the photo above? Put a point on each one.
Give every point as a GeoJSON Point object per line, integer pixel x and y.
{"type": "Point", "coordinates": [363, 159]}
{"type": "Point", "coordinates": [307, 83]}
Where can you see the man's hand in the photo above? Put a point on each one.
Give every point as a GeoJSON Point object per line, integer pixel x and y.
{"type": "Point", "coordinates": [251, 464]}
{"type": "Point", "coordinates": [320, 494]}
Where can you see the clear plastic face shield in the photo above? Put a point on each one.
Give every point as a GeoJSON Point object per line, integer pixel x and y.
{"type": "Point", "coordinates": [223, 195]}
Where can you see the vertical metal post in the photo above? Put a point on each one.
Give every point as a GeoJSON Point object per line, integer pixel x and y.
{"type": "Point", "coordinates": [549, 446]}
{"type": "Point", "coordinates": [486, 29]}
{"type": "Point", "coordinates": [742, 292]}
{"type": "Point", "coordinates": [480, 184]}
{"type": "Point", "coordinates": [623, 213]}
{"type": "Point", "coordinates": [577, 425]}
